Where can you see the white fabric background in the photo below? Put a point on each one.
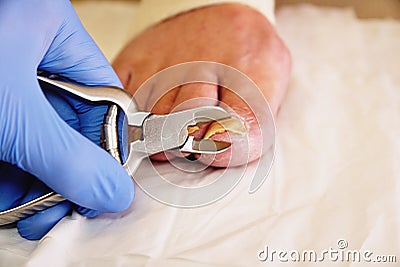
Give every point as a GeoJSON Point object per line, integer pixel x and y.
{"type": "Point", "coordinates": [336, 173]}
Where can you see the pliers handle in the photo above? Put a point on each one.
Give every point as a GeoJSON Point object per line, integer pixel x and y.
{"type": "Point", "coordinates": [159, 133]}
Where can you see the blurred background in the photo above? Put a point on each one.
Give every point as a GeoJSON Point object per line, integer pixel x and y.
{"type": "Point", "coordinates": [363, 9]}
{"type": "Point", "coordinates": [117, 17]}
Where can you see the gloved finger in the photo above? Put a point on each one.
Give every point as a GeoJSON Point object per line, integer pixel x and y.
{"type": "Point", "coordinates": [14, 184]}
{"type": "Point", "coordinates": [37, 225]}
{"type": "Point", "coordinates": [61, 106]}
{"type": "Point", "coordinates": [90, 213]}
{"type": "Point", "coordinates": [67, 111]}
{"type": "Point", "coordinates": [73, 53]}
{"type": "Point", "coordinates": [123, 136]}
{"type": "Point", "coordinates": [90, 117]}
{"type": "Point", "coordinates": [49, 35]}
{"type": "Point", "coordinates": [84, 117]}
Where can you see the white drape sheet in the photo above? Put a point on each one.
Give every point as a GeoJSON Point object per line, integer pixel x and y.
{"type": "Point", "coordinates": [336, 174]}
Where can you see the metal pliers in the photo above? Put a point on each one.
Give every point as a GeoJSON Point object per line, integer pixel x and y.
{"type": "Point", "coordinates": [158, 133]}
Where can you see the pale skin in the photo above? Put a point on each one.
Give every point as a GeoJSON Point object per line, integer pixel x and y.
{"type": "Point", "coordinates": [232, 34]}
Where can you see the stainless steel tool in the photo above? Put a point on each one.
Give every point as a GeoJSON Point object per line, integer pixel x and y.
{"type": "Point", "coordinates": [158, 133]}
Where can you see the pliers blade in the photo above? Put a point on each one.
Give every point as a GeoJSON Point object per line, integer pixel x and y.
{"type": "Point", "coordinates": [165, 132]}
{"type": "Point", "coordinates": [162, 133]}
{"type": "Point", "coordinates": [204, 146]}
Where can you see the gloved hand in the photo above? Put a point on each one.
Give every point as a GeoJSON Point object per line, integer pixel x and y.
{"type": "Point", "coordinates": [34, 140]}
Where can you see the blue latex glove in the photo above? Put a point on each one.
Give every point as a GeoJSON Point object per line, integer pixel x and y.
{"type": "Point", "coordinates": [34, 140]}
